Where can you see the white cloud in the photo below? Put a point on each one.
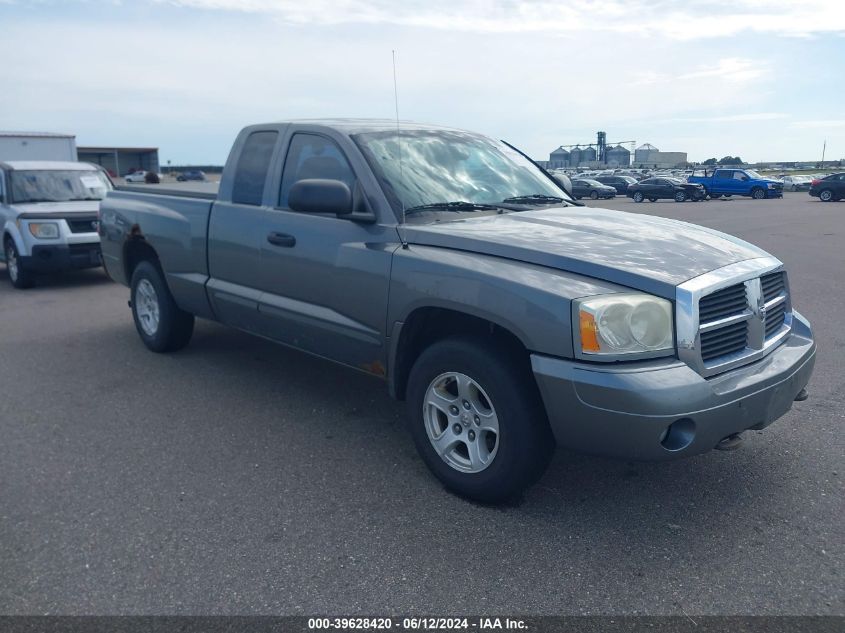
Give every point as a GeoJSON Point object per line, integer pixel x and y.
{"type": "Point", "coordinates": [676, 19]}
{"type": "Point", "coordinates": [734, 118]}
{"type": "Point", "coordinates": [833, 123]}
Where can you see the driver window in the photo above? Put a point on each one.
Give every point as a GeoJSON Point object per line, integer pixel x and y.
{"type": "Point", "coordinates": [312, 156]}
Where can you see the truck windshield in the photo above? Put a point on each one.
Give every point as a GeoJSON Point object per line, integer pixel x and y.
{"type": "Point", "coordinates": [430, 167]}
{"type": "Point", "coordinates": [58, 185]}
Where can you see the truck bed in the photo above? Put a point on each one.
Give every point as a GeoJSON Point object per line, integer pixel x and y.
{"type": "Point", "coordinates": [174, 222]}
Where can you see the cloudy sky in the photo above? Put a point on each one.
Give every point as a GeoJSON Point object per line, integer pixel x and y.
{"type": "Point", "coordinates": [762, 79]}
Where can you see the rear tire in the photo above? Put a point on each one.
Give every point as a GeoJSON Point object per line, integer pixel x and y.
{"type": "Point", "coordinates": [161, 324]}
{"type": "Point", "coordinates": [20, 278]}
{"type": "Point", "coordinates": [638, 196]}
{"type": "Point", "coordinates": [594, 195]}
{"type": "Point", "coordinates": [826, 195]}
{"type": "Point", "coordinates": [459, 389]}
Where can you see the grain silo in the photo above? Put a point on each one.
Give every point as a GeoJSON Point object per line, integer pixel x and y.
{"type": "Point", "coordinates": [588, 155]}
{"type": "Point", "coordinates": [559, 158]}
{"type": "Point", "coordinates": [575, 157]}
{"type": "Point", "coordinates": [645, 154]}
{"type": "Point", "coordinates": [618, 157]}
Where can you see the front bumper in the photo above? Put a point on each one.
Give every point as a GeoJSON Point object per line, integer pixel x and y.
{"type": "Point", "coordinates": [57, 257]}
{"type": "Point", "coordinates": [626, 411]}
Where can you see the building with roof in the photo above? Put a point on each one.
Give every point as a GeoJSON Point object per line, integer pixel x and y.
{"type": "Point", "coordinates": [120, 161]}
{"type": "Point", "coordinates": [37, 146]}
{"type": "Point", "coordinates": [647, 155]}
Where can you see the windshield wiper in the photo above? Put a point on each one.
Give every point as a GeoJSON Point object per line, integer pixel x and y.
{"type": "Point", "coordinates": [456, 206]}
{"type": "Point", "coordinates": [534, 198]}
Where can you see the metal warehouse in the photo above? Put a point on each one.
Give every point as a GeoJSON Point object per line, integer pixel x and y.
{"type": "Point", "coordinates": [121, 160]}
{"type": "Point", "coordinates": [37, 146]}
{"type": "Point", "coordinates": [648, 155]}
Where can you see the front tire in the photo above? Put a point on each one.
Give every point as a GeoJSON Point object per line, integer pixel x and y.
{"type": "Point", "coordinates": [757, 193]}
{"type": "Point", "coordinates": [826, 195]}
{"type": "Point", "coordinates": [477, 420]}
{"type": "Point", "coordinates": [680, 196]}
{"type": "Point", "coordinates": [20, 278]}
{"type": "Point", "coordinates": [638, 196]}
{"type": "Point", "coordinates": [161, 324]}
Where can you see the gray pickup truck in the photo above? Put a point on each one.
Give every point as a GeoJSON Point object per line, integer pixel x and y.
{"type": "Point", "coordinates": [509, 318]}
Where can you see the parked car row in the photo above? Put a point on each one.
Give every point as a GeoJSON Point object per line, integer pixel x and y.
{"type": "Point", "coordinates": [141, 175]}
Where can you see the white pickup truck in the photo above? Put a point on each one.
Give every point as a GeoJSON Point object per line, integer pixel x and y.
{"type": "Point", "coordinates": [48, 217]}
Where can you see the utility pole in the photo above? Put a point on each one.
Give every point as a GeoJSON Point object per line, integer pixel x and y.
{"type": "Point", "coordinates": [824, 147]}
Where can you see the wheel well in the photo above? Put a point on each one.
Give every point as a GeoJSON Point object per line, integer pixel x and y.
{"type": "Point", "coordinates": [426, 326]}
{"type": "Point", "coordinates": [135, 251]}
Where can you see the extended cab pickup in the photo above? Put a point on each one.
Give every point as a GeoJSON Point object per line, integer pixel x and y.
{"type": "Point", "coordinates": [48, 217]}
{"type": "Point", "coordinates": [736, 182]}
{"type": "Point", "coordinates": [452, 267]}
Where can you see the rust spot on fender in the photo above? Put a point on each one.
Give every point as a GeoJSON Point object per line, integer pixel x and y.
{"type": "Point", "coordinates": [375, 368]}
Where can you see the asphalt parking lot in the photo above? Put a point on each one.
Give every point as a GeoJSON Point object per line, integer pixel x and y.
{"type": "Point", "coordinates": [240, 477]}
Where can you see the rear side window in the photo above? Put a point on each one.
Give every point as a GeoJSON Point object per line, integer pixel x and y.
{"type": "Point", "coordinates": [312, 156]}
{"type": "Point", "coordinates": [724, 173]}
{"type": "Point", "coordinates": [253, 164]}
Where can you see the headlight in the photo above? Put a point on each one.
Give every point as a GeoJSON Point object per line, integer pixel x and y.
{"type": "Point", "coordinates": [44, 230]}
{"type": "Point", "coordinates": [623, 324]}
{"type": "Point", "coordinates": [770, 185]}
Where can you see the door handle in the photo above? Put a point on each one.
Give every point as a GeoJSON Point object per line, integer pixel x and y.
{"type": "Point", "coordinates": [281, 239]}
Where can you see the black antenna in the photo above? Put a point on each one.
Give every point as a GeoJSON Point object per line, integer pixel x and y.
{"type": "Point", "coordinates": [399, 145]}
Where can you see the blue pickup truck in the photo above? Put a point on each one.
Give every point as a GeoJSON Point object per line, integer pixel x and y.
{"type": "Point", "coordinates": [736, 182]}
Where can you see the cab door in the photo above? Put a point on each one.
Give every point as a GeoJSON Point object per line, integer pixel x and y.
{"type": "Point", "coordinates": [234, 235]}
{"type": "Point", "coordinates": [324, 278]}
{"type": "Point", "coordinates": [723, 181]}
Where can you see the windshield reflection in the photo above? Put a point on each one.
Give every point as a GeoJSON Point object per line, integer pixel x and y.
{"type": "Point", "coordinates": [446, 166]}
{"type": "Point", "coordinates": [58, 185]}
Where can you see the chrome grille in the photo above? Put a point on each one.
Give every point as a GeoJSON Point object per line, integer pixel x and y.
{"type": "Point", "coordinates": [774, 297]}
{"type": "Point", "coordinates": [732, 316]}
{"type": "Point", "coordinates": [724, 323]}
{"type": "Point", "coordinates": [722, 303]}
{"type": "Point", "coordinates": [727, 340]}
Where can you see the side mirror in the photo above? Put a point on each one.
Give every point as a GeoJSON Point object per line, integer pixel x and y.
{"type": "Point", "coordinates": [564, 182]}
{"type": "Point", "coordinates": [320, 195]}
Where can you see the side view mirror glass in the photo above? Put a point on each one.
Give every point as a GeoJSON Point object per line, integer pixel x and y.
{"type": "Point", "coordinates": [320, 195]}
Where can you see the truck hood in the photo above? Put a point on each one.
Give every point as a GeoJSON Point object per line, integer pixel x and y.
{"type": "Point", "coordinates": [644, 252]}
{"type": "Point", "coordinates": [59, 209]}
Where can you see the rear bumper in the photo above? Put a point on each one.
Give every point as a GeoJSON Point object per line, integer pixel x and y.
{"type": "Point", "coordinates": [55, 258]}
{"type": "Point", "coordinates": [626, 411]}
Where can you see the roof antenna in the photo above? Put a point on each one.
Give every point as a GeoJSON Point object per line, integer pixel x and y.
{"type": "Point", "coordinates": [399, 145]}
